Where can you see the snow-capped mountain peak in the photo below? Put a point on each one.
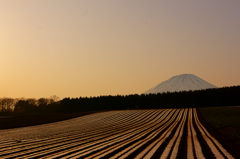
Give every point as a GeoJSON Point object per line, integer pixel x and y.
{"type": "Point", "coordinates": [183, 82]}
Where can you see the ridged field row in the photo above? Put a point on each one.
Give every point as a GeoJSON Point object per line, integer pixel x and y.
{"type": "Point", "coordinates": [163, 133]}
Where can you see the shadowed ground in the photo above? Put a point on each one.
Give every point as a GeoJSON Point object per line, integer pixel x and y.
{"type": "Point", "coordinates": [224, 122]}
{"type": "Point", "coordinates": [30, 120]}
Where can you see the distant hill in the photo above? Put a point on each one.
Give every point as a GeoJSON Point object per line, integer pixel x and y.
{"type": "Point", "coordinates": [183, 82]}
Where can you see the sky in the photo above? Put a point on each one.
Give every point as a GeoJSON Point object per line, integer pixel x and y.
{"type": "Point", "coordinates": [73, 48]}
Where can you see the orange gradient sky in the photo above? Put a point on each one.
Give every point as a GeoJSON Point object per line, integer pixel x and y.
{"type": "Point", "coordinates": [74, 48]}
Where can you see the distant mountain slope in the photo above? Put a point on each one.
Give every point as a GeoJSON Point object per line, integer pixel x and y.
{"type": "Point", "coordinates": [184, 82]}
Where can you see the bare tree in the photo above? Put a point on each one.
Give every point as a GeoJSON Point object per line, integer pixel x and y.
{"type": "Point", "coordinates": [53, 99]}
{"type": "Point", "coordinates": [32, 101]}
{"type": "Point", "coordinates": [43, 102]}
{"type": "Point", "coordinates": [7, 104]}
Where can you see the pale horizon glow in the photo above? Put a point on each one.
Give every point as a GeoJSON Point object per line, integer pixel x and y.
{"type": "Point", "coordinates": [72, 48]}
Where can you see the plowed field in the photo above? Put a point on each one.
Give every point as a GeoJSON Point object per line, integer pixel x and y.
{"type": "Point", "coordinates": [167, 133]}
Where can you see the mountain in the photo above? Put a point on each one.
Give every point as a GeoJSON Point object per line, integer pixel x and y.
{"type": "Point", "coordinates": [183, 82]}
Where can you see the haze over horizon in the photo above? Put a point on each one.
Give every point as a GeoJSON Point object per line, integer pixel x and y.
{"type": "Point", "coordinates": [74, 48]}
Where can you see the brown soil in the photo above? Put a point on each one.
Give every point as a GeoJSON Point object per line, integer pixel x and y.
{"type": "Point", "coordinates": [182, 152]}
{"type": "Point", "coordinates": [14, 122]}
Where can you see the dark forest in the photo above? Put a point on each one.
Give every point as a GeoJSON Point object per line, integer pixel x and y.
{"type": "Point", "coordinates": [226, 96]}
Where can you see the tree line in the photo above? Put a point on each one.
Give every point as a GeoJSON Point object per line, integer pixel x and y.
{"type": "Point", "coordinates": [226, 96]}
{"type": "Point", "coordinates": [11, 106]}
